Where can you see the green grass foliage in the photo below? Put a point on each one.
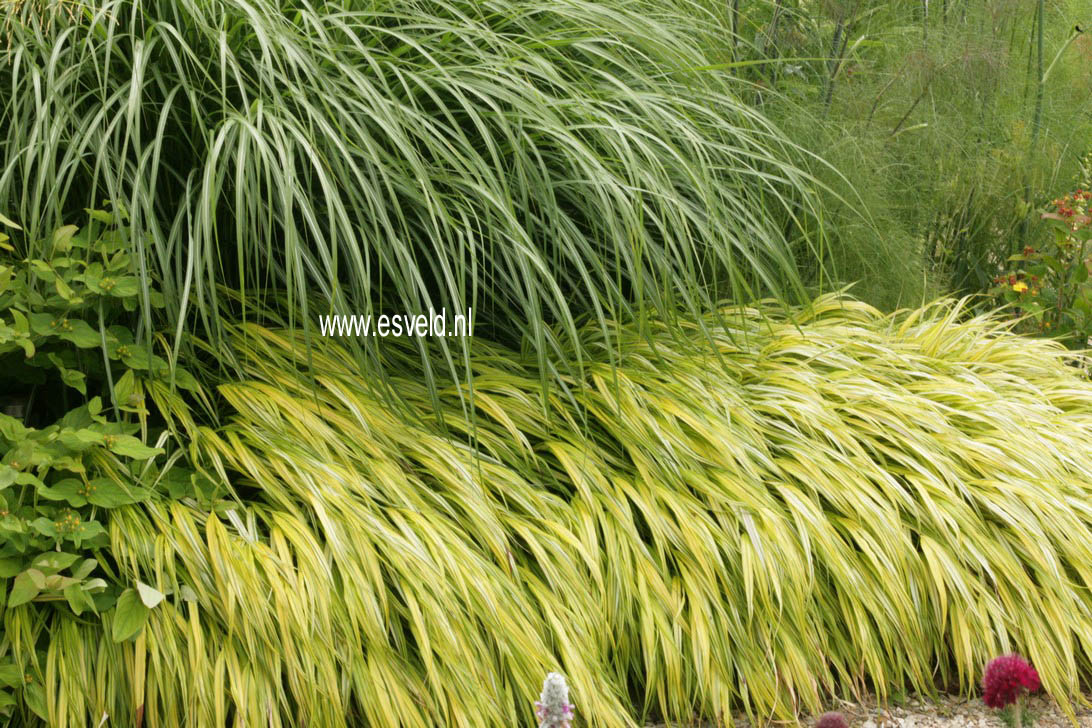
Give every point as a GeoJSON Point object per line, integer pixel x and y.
{"type": "Point", "coordinates": [843, 501]}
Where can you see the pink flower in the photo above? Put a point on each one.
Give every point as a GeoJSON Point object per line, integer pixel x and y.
{"type": "Point", "coordinates": [1005, 678]}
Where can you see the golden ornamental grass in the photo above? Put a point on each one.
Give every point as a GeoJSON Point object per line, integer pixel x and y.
{"type": "Point", "coordinates": [843, 502]}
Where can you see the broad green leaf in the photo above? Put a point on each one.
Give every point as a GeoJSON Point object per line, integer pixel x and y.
{"type": "Point", "coordinates": [125, 287]}
{"type": "Point", "coordinates": [129, 391]}
{"type": "Point", "coordinates": [74, 379]}
{"type": "Point", "coordinates": [69, 489]}
{"type": "Point", "coordinates": [150, 596]}
{"type": "Point", "coordinates": [178, 483]}
{"type": "Point", "coordinates": [43, 270]}
{"type": "Point", "coordinates": [94, 585]}
{"type": "Point", "coordinates": [118, 336]}
{"type": "Point", "coordinates": [77, 419]}
{"type": "Point", "coordinates": [129, 446]}
{"type": "Point", "coordinates": [92, 278]}
{"type": "Point", "coordinates": [58, 582]}
{"type": "Point", "coordinates": [62, 238]}
{"type": "Point", "coordinates": [11, 675]}
{"type": "Point", "coordinates": [110, 494]}
{"type": "Point", "coordinates": [63, 289]}
{"type": "Point", "coordinates": [11, 429]}
{"type": "Point", "coordinates": [86, 531]}
{"type": "Point", "coordinates": [27, 585]}
{"type": "Point", "coordinates": [85, 568]}
{"type": "Point", "coordinates": [12, 524]}
{"type": "Point", "coordinates": [65, 490]}
{"type": "Point", "coordinates": [89, 435]}
{"type": "Point", "coordinates": [43, 324]}
{"type": "Point", "coordinates": [34, 697]}
{"type": "Point", "coordinates": [136, 357]}
{"type": "Point", "coordinates": [78, 599]}
{"type": "Point", "coordinates": [100, 215]}
{"type": "Point", "coordinates": [130, 615]}
{"type": "Point", "coordinates": [80, 333]}
{"type": "Point", "coordinates": [52, 562]}
{"type": "Point", "coordinates": [44, 526]}
{"type": "Point", "coordinates": [184, 380]}
{"type": "Point", "coordinates": [20, 322]}
{"type": "Point", "coordinates": [72, 464]}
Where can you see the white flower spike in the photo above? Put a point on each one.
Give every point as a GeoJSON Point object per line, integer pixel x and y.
{"type": "Point", "coordinates": [553, 708]}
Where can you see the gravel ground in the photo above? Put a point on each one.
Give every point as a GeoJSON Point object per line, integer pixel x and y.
{"type": "Point", "coordinates": [953, 712]}
{"type": "Point", "coordinates": [956, 713]}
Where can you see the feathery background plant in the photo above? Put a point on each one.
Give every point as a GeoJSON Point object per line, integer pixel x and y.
{"type": "Point", "coordinates": [928, 112]}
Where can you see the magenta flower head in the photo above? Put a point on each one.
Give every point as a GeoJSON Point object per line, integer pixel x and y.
{"type": "Point", "coordinates": [831, 720]}
{"type": "Point", "coordinates": [1005, 679]}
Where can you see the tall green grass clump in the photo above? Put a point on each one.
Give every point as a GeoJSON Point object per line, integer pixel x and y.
{"type": "Point", "coordinates": [532, 161]}
{"type": "Point", "coordinates": [847, 501]}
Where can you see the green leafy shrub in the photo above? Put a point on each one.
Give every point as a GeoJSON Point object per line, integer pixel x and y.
{"type": "Point", "coordinates": [1050, 285]}
{"type": "Point", "coordinates": [64, 467]}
